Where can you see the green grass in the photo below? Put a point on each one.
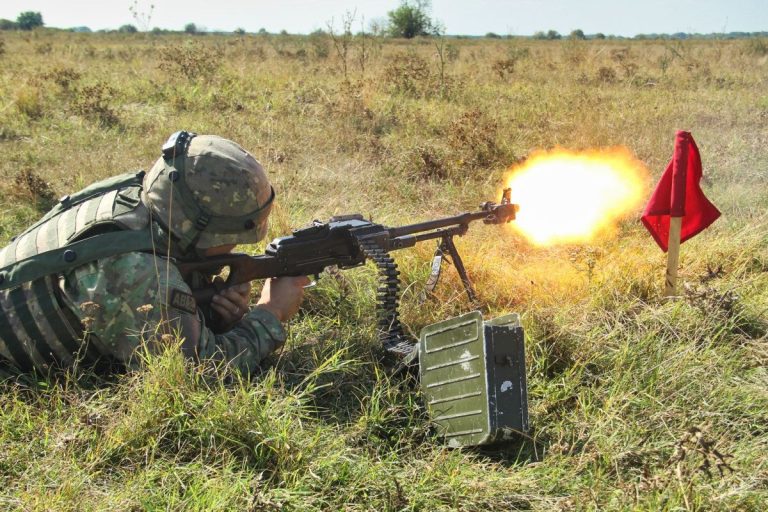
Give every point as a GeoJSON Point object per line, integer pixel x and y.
{"type": "Point", "coordinates": [620, 379]}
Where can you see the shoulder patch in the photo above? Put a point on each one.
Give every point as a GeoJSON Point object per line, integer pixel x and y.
{"type": "Point", "coordinates": [183, 301]}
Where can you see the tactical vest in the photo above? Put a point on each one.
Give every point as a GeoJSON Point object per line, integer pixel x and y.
{"type": "Point", "coordinates": [105, 219]}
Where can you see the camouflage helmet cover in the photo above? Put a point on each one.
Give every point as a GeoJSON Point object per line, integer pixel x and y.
{"type": "Point", "coordinates": [213, 193]}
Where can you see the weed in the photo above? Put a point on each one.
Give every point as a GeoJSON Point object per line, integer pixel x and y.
{"type": "Point", "coordinates": [7, 134]}
{"type": "Point", "coordinates": [606, 75]}
{"type": "Point", "coordinates": [504, 68]}
{"type": "Point", "coordinates": [63, 76]}
{"type": "Point", "coordinates": [473, 136]}
{"type": "Point", "coordinates": [44, 48]}
{"type": "Point", "coordinates": [192, 60]}
{"type": "Point", "coordinates": [408, 74]}
{"type": "Point", "coordinates": [94, 102]}
{"type": "Point", "coordinates": [757, 46]}
{"type": "Point", "coordinates": [30, 184]}
{"type": "Point", "coordinates": [453, 52]}
{"type": "Point", "coordinates": [29, 101]}
{"type": "Point", "coordinates": [320, 46]}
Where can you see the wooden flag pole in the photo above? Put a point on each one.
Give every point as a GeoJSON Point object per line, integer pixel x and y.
{"type": "Point", "coordinates": [673, 256]}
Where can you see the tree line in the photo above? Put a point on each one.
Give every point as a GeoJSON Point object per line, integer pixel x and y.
{"type": "Point", "coordinates": [410, 19]}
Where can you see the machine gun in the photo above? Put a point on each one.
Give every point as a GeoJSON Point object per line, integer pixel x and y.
{"type": "Point", "coordinates": [348, 241]}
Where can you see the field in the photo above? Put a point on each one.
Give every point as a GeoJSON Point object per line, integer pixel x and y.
{"type": "Point", "coordinates": [636, 403]}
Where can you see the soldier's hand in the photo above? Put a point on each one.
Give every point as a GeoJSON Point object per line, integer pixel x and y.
{"type": "Point", "coordinates": [282, 296]}
{"type": "Point", "coordinates": [231, 304]}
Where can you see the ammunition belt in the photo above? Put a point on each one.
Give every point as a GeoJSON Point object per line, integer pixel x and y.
{"type": "Point", "coordinates": [390, 330]}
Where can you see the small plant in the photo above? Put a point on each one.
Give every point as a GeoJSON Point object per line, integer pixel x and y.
{"type": "Point", "coordinates": [93, 102]}
{"type": "Point", "coordinates": [606, 75]}
{"type": "Point", "coordinates": [28, 182]}
{"type": "Point", "coordinates": [44, 48]}
{"type": "Point", "coordinates": [29, 102]}
{"type": "Point", "coordinates": [142, 16]}
{"type": "Point", "coordinates": [63, 76]}
{"type": "Point", "coordinates": [193, 60]}
{"type": "Point", "coordinates": [473, 137]}
{"type": "Point", "coordinates": [2, 47]}
{"type": "Point", "coordinates": [757, 47]}
{"type": "Point", "coordinates": [319, 44]}
{"type": "Point", "coordinates": [504, 68]}
{"type": "Point", "coordinates": [407, 74]}
{"type": "Point", "coordinates": [342, 42]}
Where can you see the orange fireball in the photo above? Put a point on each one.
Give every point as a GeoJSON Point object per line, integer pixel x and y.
{"type": "Point", "coordinates": [572, 196]}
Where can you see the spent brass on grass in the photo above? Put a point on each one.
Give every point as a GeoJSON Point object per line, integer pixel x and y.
{"type": "Point", "coordinates": [621, 382]}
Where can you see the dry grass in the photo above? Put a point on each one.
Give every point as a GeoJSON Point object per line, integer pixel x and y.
{"type": "Point", "coordinates": [634, 401]}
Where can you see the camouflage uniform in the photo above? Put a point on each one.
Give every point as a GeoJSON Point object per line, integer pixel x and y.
{"type": "Point", "coordinates": [203, 192]}
{"type": "Point", "coordinates": [125, 301]}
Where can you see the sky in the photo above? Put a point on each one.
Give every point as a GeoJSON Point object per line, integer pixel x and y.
{"type": "Point", "coordinates": [465, 17]}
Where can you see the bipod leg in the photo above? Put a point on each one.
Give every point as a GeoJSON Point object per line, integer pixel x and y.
{"type": "Point", "coordinates": [434, 275]}
{"type": "Point", "coordinates": [448, 246]}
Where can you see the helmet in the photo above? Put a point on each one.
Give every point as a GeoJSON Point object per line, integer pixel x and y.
{"type": "Point", "coordinates": [208, 191]}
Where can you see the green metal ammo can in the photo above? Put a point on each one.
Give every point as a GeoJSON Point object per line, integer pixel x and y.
{"type": "Point", "coordinates": [472, 375]}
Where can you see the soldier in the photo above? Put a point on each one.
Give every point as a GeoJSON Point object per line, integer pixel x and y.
{"type": "Point", "coordinates": [94, 280]}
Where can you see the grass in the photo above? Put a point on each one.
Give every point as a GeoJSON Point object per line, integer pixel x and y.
{"type": "Point", "coordinates": [629, 394]}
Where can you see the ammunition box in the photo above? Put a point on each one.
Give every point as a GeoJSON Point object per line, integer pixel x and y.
{"type": "Point", "coordinates": [472, 375]}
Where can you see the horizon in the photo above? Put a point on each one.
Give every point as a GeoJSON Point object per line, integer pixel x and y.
{"type": "Point", "coordinates": [504, 18]}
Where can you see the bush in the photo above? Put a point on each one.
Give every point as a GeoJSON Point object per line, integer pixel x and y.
{"type": "Point", "coordinates": [93, 102]}
{"type": "Point", "coordinates": [63, 76]}
{"type": "Point", "coordinates": [29, 20]}
{"type": "Point", "coordinates": [577, 34]}
{"type": "Point", "coordinates": [407, 74]}
{"type": "Point", "coordinates": [128, 29]}
{"type": "Point", "coordinates": [29, 102]}
{"type": "Point", "coordinates": [193, 60]}
{"type": "Point", "coordinates": [473, 137]}
{"type": "Point", "coordinates": [757, 47]}
{"type": "Point", "coordinates": [29, 183]}
{"type": "Point", "coordinates": [7, 24]}
{"type": "Point", "coordinates": [504, 68]}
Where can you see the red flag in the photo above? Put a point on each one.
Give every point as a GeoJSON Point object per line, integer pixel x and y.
{"type": "Point", "coordinates": [678, 194]}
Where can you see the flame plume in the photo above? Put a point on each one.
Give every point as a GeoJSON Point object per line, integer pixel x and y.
{"type": "Point", "coordinates": [572, 196]}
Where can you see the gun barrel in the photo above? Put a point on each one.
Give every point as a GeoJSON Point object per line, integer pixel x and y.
{"type": "Point", "coordinates": [457, 220]}
{"type": "Point", "coordinates": [490, 214]}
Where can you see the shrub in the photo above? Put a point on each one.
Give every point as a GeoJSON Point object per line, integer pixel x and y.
{"type": "Point", "coordinates": [62, 76]}
{"type": "Point", "coordinates": [320, 47]}
{"type": "Point", "coordinates": [757, 47]}
{"type": "Point", "coordinates": [503, 68]}
{"type": "Point", "coordinates": [28, 182]}
{"type": "Point", "coordinates": [473, 136]}
{"type": "Point", "coordinates": [193, 60]}
{"type": "Point", "coordinates": [606, 75]}
{"type": "Point", "coordinates": [29, 102]}
{"type": "Point", "coordinates": [44, 48]}
{"type": "Point", "coordinates": [577, 34]}
{"type": "Point", "coordinates": [93, 102]}
{"type": "Point", "coordinates": [407, 74]}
